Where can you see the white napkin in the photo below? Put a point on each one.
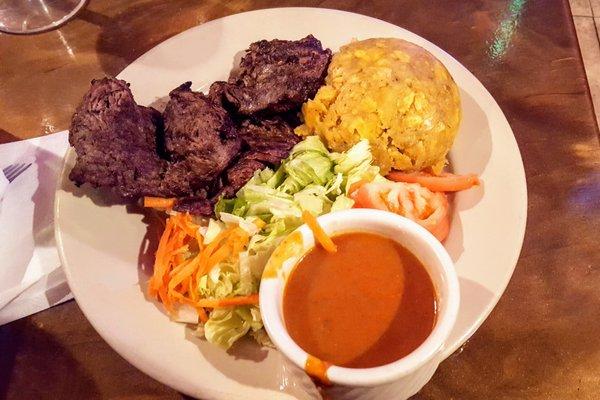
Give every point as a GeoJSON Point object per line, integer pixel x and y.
{"type": "Point", "coordinates": [31, 278]}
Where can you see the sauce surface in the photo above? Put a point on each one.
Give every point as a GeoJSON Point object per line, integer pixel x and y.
{"type": "Point", "coordinates": [369, 304]}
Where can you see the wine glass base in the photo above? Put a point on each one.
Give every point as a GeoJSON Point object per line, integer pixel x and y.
{"type": "Point", "coordinates": [22, 17]}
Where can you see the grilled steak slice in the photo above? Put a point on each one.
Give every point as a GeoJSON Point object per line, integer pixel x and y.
{"type": "Point", "coordinates": [200, 138]}
{"type": "Point", "coordinates": [216, 92]}
{"type": "Point", "coordinates": [268, 140]}
{"type": "Point", "coordinates": [278, 75]}
{"type": "Point", "coordinates": [239, 174]}
{"type": "Point", "coordinates": [116, 142]}
{"type": "Point", "coordinates": [196, 205]}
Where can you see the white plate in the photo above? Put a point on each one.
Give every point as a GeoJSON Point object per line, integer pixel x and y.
{"type": "Point", "coordinates": [100, 244]}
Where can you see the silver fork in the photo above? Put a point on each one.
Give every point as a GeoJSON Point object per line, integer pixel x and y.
{"type": "Point", "coordinates": [12, 171]}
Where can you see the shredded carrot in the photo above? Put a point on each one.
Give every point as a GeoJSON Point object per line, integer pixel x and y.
{"type": "Point", "coordinates": [159, 202]}
{"type": "Point", "coordinates": [182, 260]}
{"type": "Point", "coordinates": [185, 224]}
{"type": "Point", "coordinates": [162, 292]}
{"type": "Point", "coordinates": [318, 231]}
{"type": "Point", "coordinates": [202, 314]}
{"type": "Point", "coordinates": [160, 266]}
{"type": "Point", "coordinates": [179, 277]}
{"type": "Point", "coordinates": [445, 182]}
{"type": "Point", "coordinates": [204, 266]}
{"type": "Point", "coordinates": [229, 302]}
{"type": "Point", "coordinates": [219, 255]}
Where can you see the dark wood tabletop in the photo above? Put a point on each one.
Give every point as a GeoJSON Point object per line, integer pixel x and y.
{"type": "Point", "coordinates": [542, 341]}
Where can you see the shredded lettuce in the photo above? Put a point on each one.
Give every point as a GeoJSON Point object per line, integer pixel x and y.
{"type": "Point", "coordinates": [226, 325]}
{"type": "Point", "coordinates": [312, 179]}
{"type": "Point", "coordinates": [342, 202]}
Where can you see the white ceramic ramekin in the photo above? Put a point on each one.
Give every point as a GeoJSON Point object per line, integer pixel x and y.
{"type": "Point", "coordinates": [414, 369]}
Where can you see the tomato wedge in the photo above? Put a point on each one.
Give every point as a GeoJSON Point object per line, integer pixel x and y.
{"type": "Point", "coordinates": [429, 209]}
{"type": "Point", "coordinates": [445, 182]}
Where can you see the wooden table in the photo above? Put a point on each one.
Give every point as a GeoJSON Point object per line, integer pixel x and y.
{"type": "Point", "coordinates": [543, 339]}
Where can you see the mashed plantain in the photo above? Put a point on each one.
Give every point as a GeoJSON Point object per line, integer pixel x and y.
{"type": "Point", "coordinates": [393, 93]}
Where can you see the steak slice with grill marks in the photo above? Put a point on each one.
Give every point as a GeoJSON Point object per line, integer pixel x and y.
{"type": "Point", "coordinates": [116, 142]}
{"type": "Point", "coordinates": [200, 139]}
{"type": "Point", "coordinates": [277, 76]}
{"type": "Point", "coordinates": [268, 142]}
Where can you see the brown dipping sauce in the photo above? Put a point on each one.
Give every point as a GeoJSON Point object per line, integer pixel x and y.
{"type": "Point", "coordinates": [369, 304]}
